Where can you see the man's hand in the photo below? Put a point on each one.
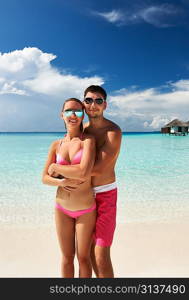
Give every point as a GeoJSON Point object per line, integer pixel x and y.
{"type": "Point", "coordinates": [70, 184]}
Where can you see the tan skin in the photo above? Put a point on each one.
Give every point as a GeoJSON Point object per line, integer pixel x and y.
{"type": "Point", "coordinates": [69, 229]}
{"type": "Point", "coordinates": [108, 141]}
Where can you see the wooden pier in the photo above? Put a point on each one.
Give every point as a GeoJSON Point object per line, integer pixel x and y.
{"type": "Point", "coordinates": [178, 133]}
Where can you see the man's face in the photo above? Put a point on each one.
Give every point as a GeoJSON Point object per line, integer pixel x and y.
{"type": "Point", "coordinates": [94, 110]}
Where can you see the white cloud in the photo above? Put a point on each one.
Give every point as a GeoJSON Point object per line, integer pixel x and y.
{"type": "Point", "coordinates": [151, 108]}
{"type": "Point", "coordinates": [32, 96]}
{"type": "Point", "coordinates": [182, 85]}
{"type": "Point", "coordinates": [51, 82]}
{"type": "Point", "coordinates": [29, 59]}
{"type": "Point", "coordinates": [158, 122]}
{"type": "Point", "coordinates": [9, 88]}
{"type": "Point", "coordinates": [32, 90]}
{"type": "Point", "coordinates": [146, 124]}
{"type": "Point", "coordinates": [113, 16]}
{"type": "Point", "coordinates": [29, 71]}
{"type": "Point", "coordinates": [164, 15]}
{"type": "Point", "coordinates": [159, 16]}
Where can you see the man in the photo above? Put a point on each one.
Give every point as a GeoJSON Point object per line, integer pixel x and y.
{"type": "Point", "coordinates": [108, 141]}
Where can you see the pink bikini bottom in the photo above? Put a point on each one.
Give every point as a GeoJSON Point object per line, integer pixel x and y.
{"type": "Point", "coordinates": [77, 213]}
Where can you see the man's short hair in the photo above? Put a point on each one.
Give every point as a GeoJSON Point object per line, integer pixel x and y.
{"type": "Point", "coordinates": [96, 89]}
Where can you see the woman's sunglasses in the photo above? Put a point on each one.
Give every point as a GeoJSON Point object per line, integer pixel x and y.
{"type": "Point", "coordinates": [78, 113]}
{"type": "Point", "coordinates": [98, 101]}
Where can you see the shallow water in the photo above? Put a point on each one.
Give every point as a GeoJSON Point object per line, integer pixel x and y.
{"type": "Point", "coordinates": [152, 177]}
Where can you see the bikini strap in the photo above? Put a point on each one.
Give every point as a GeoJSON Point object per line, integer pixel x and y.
{"type": "Point", "coordinates": [59, 145]}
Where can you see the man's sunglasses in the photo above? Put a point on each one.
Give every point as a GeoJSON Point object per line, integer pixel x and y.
{"type": "Point", "coordinates": [98, 101]}
{"type": "Point", "coordinates": [78, 113]}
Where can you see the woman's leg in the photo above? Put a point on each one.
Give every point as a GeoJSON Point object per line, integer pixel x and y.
{"type": "Point", "coordinates": [85, 225]}
{"type": "Point", "coordinates": [65, 227]}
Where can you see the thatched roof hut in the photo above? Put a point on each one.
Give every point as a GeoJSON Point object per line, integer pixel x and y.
{"type": "Point", "coordinates": [177, 122]}
{"type": "Point", "coordinates": [176, 127]}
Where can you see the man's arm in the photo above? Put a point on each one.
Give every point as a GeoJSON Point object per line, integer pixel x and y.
{"type": "Point", "coordinates": [108, 152]}
{"type": "Point", "coordinates": [80, 171]}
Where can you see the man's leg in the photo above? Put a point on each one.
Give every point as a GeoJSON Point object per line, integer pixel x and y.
{"type": "Point", "coordinates": [104, 232]}
{"type": "Point", "coordinates": [101, 261]}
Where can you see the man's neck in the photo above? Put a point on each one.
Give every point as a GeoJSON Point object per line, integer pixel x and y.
{"type": "Point", "coordinates": [97, 122]}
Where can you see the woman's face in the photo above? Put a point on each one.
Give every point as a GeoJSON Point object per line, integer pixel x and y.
{"type": "Point", "coordinates": [73, 114]}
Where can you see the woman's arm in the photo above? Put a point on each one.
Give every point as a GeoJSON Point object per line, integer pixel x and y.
{"type": "Point", "coordinates": [46, 179]}
{"type": "Point", "coordinates": [80, 171]}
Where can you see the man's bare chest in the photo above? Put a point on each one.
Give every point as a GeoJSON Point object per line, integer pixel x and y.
{"type": "Point", "coordinates": [100, 138]}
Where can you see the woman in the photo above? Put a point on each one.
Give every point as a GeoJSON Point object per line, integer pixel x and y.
{"type": "Point", "coordinates": [75, 210]}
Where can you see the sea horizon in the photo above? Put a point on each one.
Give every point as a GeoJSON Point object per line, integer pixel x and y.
{"type": "Point", "coordinates": [128, 132]}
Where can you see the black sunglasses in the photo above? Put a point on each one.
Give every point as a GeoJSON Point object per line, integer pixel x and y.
{"type": "Point", "coordinates": [98, 101]}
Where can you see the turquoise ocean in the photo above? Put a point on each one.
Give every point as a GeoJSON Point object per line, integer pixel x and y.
{"type": "Point", "coordinates": [152, 177]}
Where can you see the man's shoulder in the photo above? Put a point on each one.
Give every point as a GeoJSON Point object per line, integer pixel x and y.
{"type": "Point", "coordinates": [88, 136]}
{"type": "Point", "coordinates": [108, 126]}
{"type": "Point", "coordinates": [111, 126]}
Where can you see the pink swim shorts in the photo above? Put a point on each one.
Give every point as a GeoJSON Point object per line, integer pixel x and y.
{"type": "Point", "coordinates": [106, 217]}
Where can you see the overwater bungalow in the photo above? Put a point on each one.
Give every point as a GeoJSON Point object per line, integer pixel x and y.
{"type": "Point", "coordinates": [176, 127]}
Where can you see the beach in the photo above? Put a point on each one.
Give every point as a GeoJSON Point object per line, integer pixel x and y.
{"type": "Point", "coordinates": [138, 250]}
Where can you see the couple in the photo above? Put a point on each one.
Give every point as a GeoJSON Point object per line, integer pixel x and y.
{"type": "Point", "coordinates": [82, 165]}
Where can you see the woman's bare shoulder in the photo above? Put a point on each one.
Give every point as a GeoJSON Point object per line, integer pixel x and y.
{"type": "Point", "coordinates": [55, 144]}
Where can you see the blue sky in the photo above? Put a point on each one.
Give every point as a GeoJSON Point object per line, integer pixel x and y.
{"type": "Point", "coordinates": [53, 49]}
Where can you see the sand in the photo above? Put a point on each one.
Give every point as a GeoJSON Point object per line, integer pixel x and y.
{"type": "Point", "coordinates": [138, 250]}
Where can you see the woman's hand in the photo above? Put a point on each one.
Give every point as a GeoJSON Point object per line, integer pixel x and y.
{"type": "Point", "coordinates": [51, 170]}
{"type": "Point", "coordinates": [55, 175]}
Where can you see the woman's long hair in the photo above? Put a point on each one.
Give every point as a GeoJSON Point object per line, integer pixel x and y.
{"type": "Point", "coordinates": [82, 106]}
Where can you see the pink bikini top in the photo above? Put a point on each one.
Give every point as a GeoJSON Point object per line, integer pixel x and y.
{"type": "Point", "coordinates": [75, 160]}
